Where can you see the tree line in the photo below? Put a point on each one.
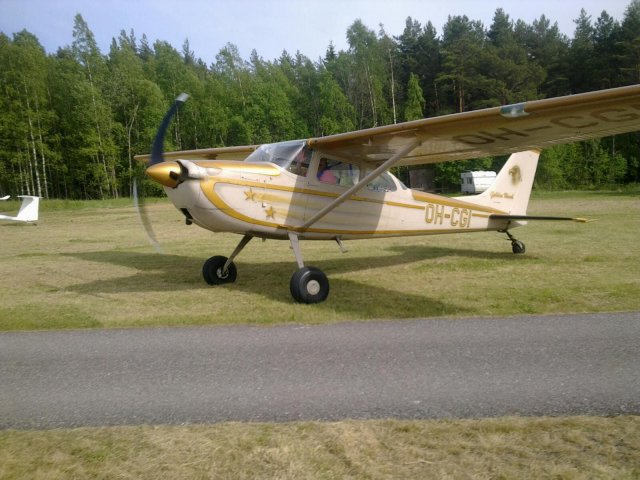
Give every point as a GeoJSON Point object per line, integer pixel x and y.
{"type": "Point", "coordinates": [71, 122]}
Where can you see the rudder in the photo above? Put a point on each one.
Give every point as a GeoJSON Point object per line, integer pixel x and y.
{"type": "Point", "coordinates": [511, 189]}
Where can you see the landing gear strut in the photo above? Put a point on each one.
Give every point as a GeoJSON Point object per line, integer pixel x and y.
{"type": "Point", "coordinates": [517, 246]}
{"type": "Point", "coordinates": [308, 284]}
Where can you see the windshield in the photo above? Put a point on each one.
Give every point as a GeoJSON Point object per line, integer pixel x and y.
{"type": "Point", "coordinates": [282, 154]}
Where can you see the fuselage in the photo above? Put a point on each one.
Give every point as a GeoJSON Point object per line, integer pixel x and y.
{"type": "Point", "coordinates": [265, 200]}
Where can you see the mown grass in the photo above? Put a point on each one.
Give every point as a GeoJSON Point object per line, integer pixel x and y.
{"type": "Point", "coordinates": [90, 265]}
{"type": "Point", "coordinates": [558, 448]}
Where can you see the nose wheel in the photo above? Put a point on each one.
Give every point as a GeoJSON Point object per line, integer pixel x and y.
{"type": "Point", "coordinates": [219, 269]}
{"type": "Point", "coordinates": [216, 271]}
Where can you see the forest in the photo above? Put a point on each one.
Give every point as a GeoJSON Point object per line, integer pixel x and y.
{"type": "Point", "coordinates": [71, 122]}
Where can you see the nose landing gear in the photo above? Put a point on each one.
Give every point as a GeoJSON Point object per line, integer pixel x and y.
{"type": "Point", "coordinates": [215, 272]}
{"type": "Point", "coordinates": [218, 270]}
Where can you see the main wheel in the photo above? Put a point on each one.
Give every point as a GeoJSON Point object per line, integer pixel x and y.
{"type": "Point", "coordinates": [309, 285]}
{"type": "Point", "coordinates": [517, 246]}
{"type": "Point", "coordinates": [213, 273]}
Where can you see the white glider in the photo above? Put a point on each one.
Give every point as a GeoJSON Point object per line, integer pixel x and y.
{"type": "Point", "coordinates": [28, 212]}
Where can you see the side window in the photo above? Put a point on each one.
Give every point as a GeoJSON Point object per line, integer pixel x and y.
{"type": "Point", "coordinates": [300, 164]}
{"type": "Point", "coordinates": [383, 183]}
{"type": "Point", "coordinates": [333, 172]}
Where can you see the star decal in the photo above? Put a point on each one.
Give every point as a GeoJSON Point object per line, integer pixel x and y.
{"type": "Point", "coordinates": [251, 195]}
{"type": "Point", "coordinates": [271, 213]}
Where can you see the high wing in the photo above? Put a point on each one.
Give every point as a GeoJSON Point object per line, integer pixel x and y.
{"type": "Point", "coordinates": [529, 125]}
{"type": "Point", "coordinates": [217, 153]}
{"type": "Point", "coordinates": [494, 131]}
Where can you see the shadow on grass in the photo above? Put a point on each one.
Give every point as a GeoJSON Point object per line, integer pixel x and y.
{"type": "Point", "coordinates": [12, 224]}
{"type": "Point", "coordinates": [174, 273]}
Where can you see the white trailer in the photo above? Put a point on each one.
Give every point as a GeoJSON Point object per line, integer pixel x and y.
{"type": "Point", "coordinates": [476, 182]}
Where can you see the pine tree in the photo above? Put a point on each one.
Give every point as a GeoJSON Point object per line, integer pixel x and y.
{"type": "Point", "coordinates": [414, 107]}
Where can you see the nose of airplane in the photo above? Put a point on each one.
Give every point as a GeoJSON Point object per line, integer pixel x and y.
{"type": "Point", "coordinates": [165, 173]}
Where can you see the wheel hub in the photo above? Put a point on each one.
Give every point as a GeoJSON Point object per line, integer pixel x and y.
{"type": "Point", "coordinates": [313, 287]}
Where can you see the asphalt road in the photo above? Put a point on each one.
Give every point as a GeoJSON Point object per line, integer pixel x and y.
{"type": "Point", "coordinates": [533, 365]}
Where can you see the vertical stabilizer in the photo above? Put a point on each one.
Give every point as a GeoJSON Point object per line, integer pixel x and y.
{"type": "Point", "coordinates": [29, 209]}
{"type": "Point", "coordinates": [511, 189]}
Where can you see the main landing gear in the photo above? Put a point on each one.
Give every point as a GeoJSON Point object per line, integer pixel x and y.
{"type": "Point", "coordinates": [517, 246]}
{"type": "Point", "coordinates": [307, 285]}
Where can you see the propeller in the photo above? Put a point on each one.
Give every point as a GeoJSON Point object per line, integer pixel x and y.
{"type": "Point", "coordinates": [157, 158]}
{"type": "Point", "coordinates": [158, 142]}
{"type": "Point", "coordinates": [141, 209]}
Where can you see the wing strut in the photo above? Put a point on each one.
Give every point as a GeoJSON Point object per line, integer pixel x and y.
{"type": "Point", "coordinates": [399, 155]}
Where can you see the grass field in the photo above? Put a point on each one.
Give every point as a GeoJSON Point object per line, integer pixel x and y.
{"type": "Point", "coordinates": [509, 448]}
{"type": "Point", "coordinates": [88, 264]}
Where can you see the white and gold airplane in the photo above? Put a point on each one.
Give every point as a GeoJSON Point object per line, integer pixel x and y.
{"type": "Point", "coordinates": [339, 187]}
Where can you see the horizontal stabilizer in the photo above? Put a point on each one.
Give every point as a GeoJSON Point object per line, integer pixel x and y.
{"type": "Point", "coordinates": [533, 217]}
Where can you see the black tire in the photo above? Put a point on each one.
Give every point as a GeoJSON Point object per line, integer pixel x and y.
{"type": "Point", "coordinates": [212, 271]}
{"type": "Point", "coordinates": [517, 247]}
{"type": "Point", "coordinates": [309, 285]}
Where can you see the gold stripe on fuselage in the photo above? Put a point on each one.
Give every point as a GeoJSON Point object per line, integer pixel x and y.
{"type": "Point", "coordinates": [418, 196]}
{"type": "Point", "coordinates": [208, 188]}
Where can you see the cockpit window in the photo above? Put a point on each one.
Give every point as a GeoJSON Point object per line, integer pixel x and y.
{"type": "Point", "coordinates": [293, 156]}
{"type": "Point", "coordinates": [335, 172]}
{"type": "Point", "coordinates": [382, 183]}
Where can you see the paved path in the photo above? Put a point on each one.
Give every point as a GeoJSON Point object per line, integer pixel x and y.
{"type": "Point", "coordinates": [533, 365]}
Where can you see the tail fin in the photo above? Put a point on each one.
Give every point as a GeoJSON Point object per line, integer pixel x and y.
{"type": "Point", "coordinates": [29, 209]}
{"type": "Point", "coordinates": [511, 189]}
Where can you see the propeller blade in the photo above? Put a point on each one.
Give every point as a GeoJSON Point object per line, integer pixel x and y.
{"type": "Point", "coordinates": [143, 215]}
{"type": "Point", "coordinates": [158, 142]}
{"type": "Point", "coordinates": [156, 158]}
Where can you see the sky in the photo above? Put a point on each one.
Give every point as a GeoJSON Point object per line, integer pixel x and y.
{"type": "Point", "coordinates": [268, 26]}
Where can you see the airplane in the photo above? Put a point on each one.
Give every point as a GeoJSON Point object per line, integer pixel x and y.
{"type": "Point", "coordinates": [339, 187]}
{"type": "Point", "coordinates": [28, 212]}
